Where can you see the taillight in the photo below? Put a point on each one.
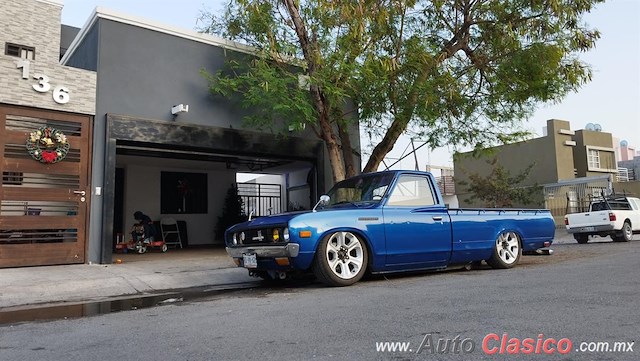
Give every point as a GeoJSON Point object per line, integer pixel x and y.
{"type": "Point", "coordinates": [566, 221]}
{"type": "Point", "coordinates": [612, 216]}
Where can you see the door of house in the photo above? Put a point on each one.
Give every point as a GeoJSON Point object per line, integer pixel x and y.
{"type": "Point", "coordinates": [45, 163]}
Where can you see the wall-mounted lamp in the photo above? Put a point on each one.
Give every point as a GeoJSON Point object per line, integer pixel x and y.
{"type": "Point", "coordinates": [180, 108]}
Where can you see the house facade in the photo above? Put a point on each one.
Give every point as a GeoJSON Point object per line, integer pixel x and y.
{"type": "Point", "coordinates": [158, 142]}
{"type": "Point", "coordinates": [46, 118]}
{"type": "Point", "coordinates": [570, 165]}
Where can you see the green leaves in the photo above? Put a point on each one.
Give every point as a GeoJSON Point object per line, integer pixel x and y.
{"type": "Point", "coordinates": [460, 72]}
{"type": "Point", "coordinates": [501, 189]}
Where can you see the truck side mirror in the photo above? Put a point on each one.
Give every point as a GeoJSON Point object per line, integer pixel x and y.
{"type": "Point", "coordinates": [324, 200]}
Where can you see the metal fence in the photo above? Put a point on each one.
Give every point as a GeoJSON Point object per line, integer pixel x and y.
{"type": "Point", "coordinates": [574, 195]}
{"type": "Point", "coordinates": [260, 198]}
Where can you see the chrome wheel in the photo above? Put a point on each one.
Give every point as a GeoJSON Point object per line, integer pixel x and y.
{"type": "Point", "coordinates": [341, 259]}
{"type": "Point", "coordinates": [506, 251]}
{"type": "Point", "coordinates": [344, 255]}
{"type": "Point", "coordinates": [508, 247]}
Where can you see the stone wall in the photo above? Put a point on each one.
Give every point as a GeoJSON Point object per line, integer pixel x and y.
{"type": "Point", "coordinates": [40, 82]}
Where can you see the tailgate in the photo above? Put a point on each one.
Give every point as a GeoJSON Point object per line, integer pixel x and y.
{"type": "Point", "coordinates": [588, 219]}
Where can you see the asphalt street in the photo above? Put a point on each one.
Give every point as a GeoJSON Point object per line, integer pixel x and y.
{"type": "Point", "coordinates": [584, 295]}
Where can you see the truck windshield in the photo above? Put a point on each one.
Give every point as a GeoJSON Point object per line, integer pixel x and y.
{"type": "Point", "coordinates": [366, 188]}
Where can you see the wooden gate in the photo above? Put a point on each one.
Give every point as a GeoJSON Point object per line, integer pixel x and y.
{"type": "Point", "coordinates": [44, 209]}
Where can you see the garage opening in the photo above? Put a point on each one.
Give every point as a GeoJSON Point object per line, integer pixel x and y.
{"type": "Point", "coordinates": [184, 171]}
{"type": "Point", "coordinates": [191, 186]}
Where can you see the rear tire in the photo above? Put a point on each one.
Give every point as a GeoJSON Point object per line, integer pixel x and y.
{"type": "Point", "coordinates": [581, 238]}
{"type": "Point", "coordinates": [506, 251]}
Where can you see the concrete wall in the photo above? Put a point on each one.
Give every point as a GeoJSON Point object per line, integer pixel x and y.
{"type": "Point", "coordinates": [37, 24]}
{"type": "Point", "coordinates": [632, 188]}
{"type": "Point", "coordinates": [560, 142]}
{"type": "Point", "coordinates": [539, 152]}
{"type": "Point", "coordinates": [551, 156]}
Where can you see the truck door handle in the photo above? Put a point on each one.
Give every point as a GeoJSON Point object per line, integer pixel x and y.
{"type": "Point", "coordinates": [82, 193]}
{"type": "Point", "coordinates": [437, 218]}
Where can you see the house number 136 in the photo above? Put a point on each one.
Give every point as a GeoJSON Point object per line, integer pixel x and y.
{"type": "Point", "coordinates": [60, 92]}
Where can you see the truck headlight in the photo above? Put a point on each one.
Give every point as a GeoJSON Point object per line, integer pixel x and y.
{"type": "Point", "coordinates": [275, 234]}
{"type": "Point", "coordinates": [234, 239]}
{"type": "Point", "coordinates": [285, 234]}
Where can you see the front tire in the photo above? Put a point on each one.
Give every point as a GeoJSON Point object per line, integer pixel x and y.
{"type": "Point", "coordinates": [627, 232]}
{"type": "Point", "coordinates": [341, 259]}
{"type": "Point", "coordinates": [506, 251]}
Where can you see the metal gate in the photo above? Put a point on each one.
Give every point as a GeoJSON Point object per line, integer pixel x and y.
{"type": "Point", "coordinates": [260, 199]}
{"type": "Point", "coordinates": [574, 195]}
{"type": "Point", "coordinates": [44, 197]}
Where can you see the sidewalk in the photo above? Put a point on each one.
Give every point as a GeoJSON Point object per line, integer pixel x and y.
{"type": "Point", "coordinates": [138, 274]}
{"type": "Point", "coordinates": [147, 273]}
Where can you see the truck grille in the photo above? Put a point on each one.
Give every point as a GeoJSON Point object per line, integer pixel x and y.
{"type": "Point", "coordinates": [260, 236]}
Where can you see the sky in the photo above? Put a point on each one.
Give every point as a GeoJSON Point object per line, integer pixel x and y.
{"type": "Point", "coordinates": [611, 99]}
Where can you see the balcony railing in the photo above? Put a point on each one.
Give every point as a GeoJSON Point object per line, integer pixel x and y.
{"type": "Point", "coordinates": [447, 185]}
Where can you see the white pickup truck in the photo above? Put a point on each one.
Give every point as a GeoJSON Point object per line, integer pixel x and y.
{"type": "Point", "coordinates": [617, 216]}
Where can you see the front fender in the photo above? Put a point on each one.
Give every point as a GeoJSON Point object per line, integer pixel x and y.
{"type": "Point", "coordinates": [309, 229]}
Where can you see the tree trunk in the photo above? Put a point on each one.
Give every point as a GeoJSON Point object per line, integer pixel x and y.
{"type": "Point", "coordinates": [347, 150]}
{"type": "Point", "coordinates": [386, 145]}
{"type": "Point", "coordinates": [310, 51]}
{"type": "Point", "coordinates": [335, 158]}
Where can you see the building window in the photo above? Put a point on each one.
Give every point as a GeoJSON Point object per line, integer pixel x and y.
{"type": "Point", "coordinates": [601, 159]}
{"type": "Point", "coordinates": [593, 158]}
{"type": "Point", "coordinates": [20, 51]}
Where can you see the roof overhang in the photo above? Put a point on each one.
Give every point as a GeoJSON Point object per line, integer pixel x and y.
{"type": "Point", "coordinates": [103, 13]}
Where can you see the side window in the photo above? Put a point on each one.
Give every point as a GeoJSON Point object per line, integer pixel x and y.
{"type": "Point", "coordinates": [412, 191]}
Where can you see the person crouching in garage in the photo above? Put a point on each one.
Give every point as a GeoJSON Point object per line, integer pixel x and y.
{"type": "Point", "coordinates": [144, 229]}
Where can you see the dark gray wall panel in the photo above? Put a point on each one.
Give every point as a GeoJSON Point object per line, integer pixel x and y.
{"type": "Point", "coordinates": [143, 73]}
{"type": "Point", "coordinates": [86, 54]}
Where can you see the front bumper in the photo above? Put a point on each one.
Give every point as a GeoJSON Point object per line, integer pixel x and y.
{"type": "Point", "coordinates": [287, 250]}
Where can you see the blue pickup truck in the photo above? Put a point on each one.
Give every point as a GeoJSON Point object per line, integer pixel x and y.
{"type": "Point", "coordinates": [383, 222]}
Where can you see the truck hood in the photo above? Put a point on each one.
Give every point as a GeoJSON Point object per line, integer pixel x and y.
{"type": "Point", "coordinates": [271, 220]}
{"type": "Point", "coordinates": [284, 218]}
